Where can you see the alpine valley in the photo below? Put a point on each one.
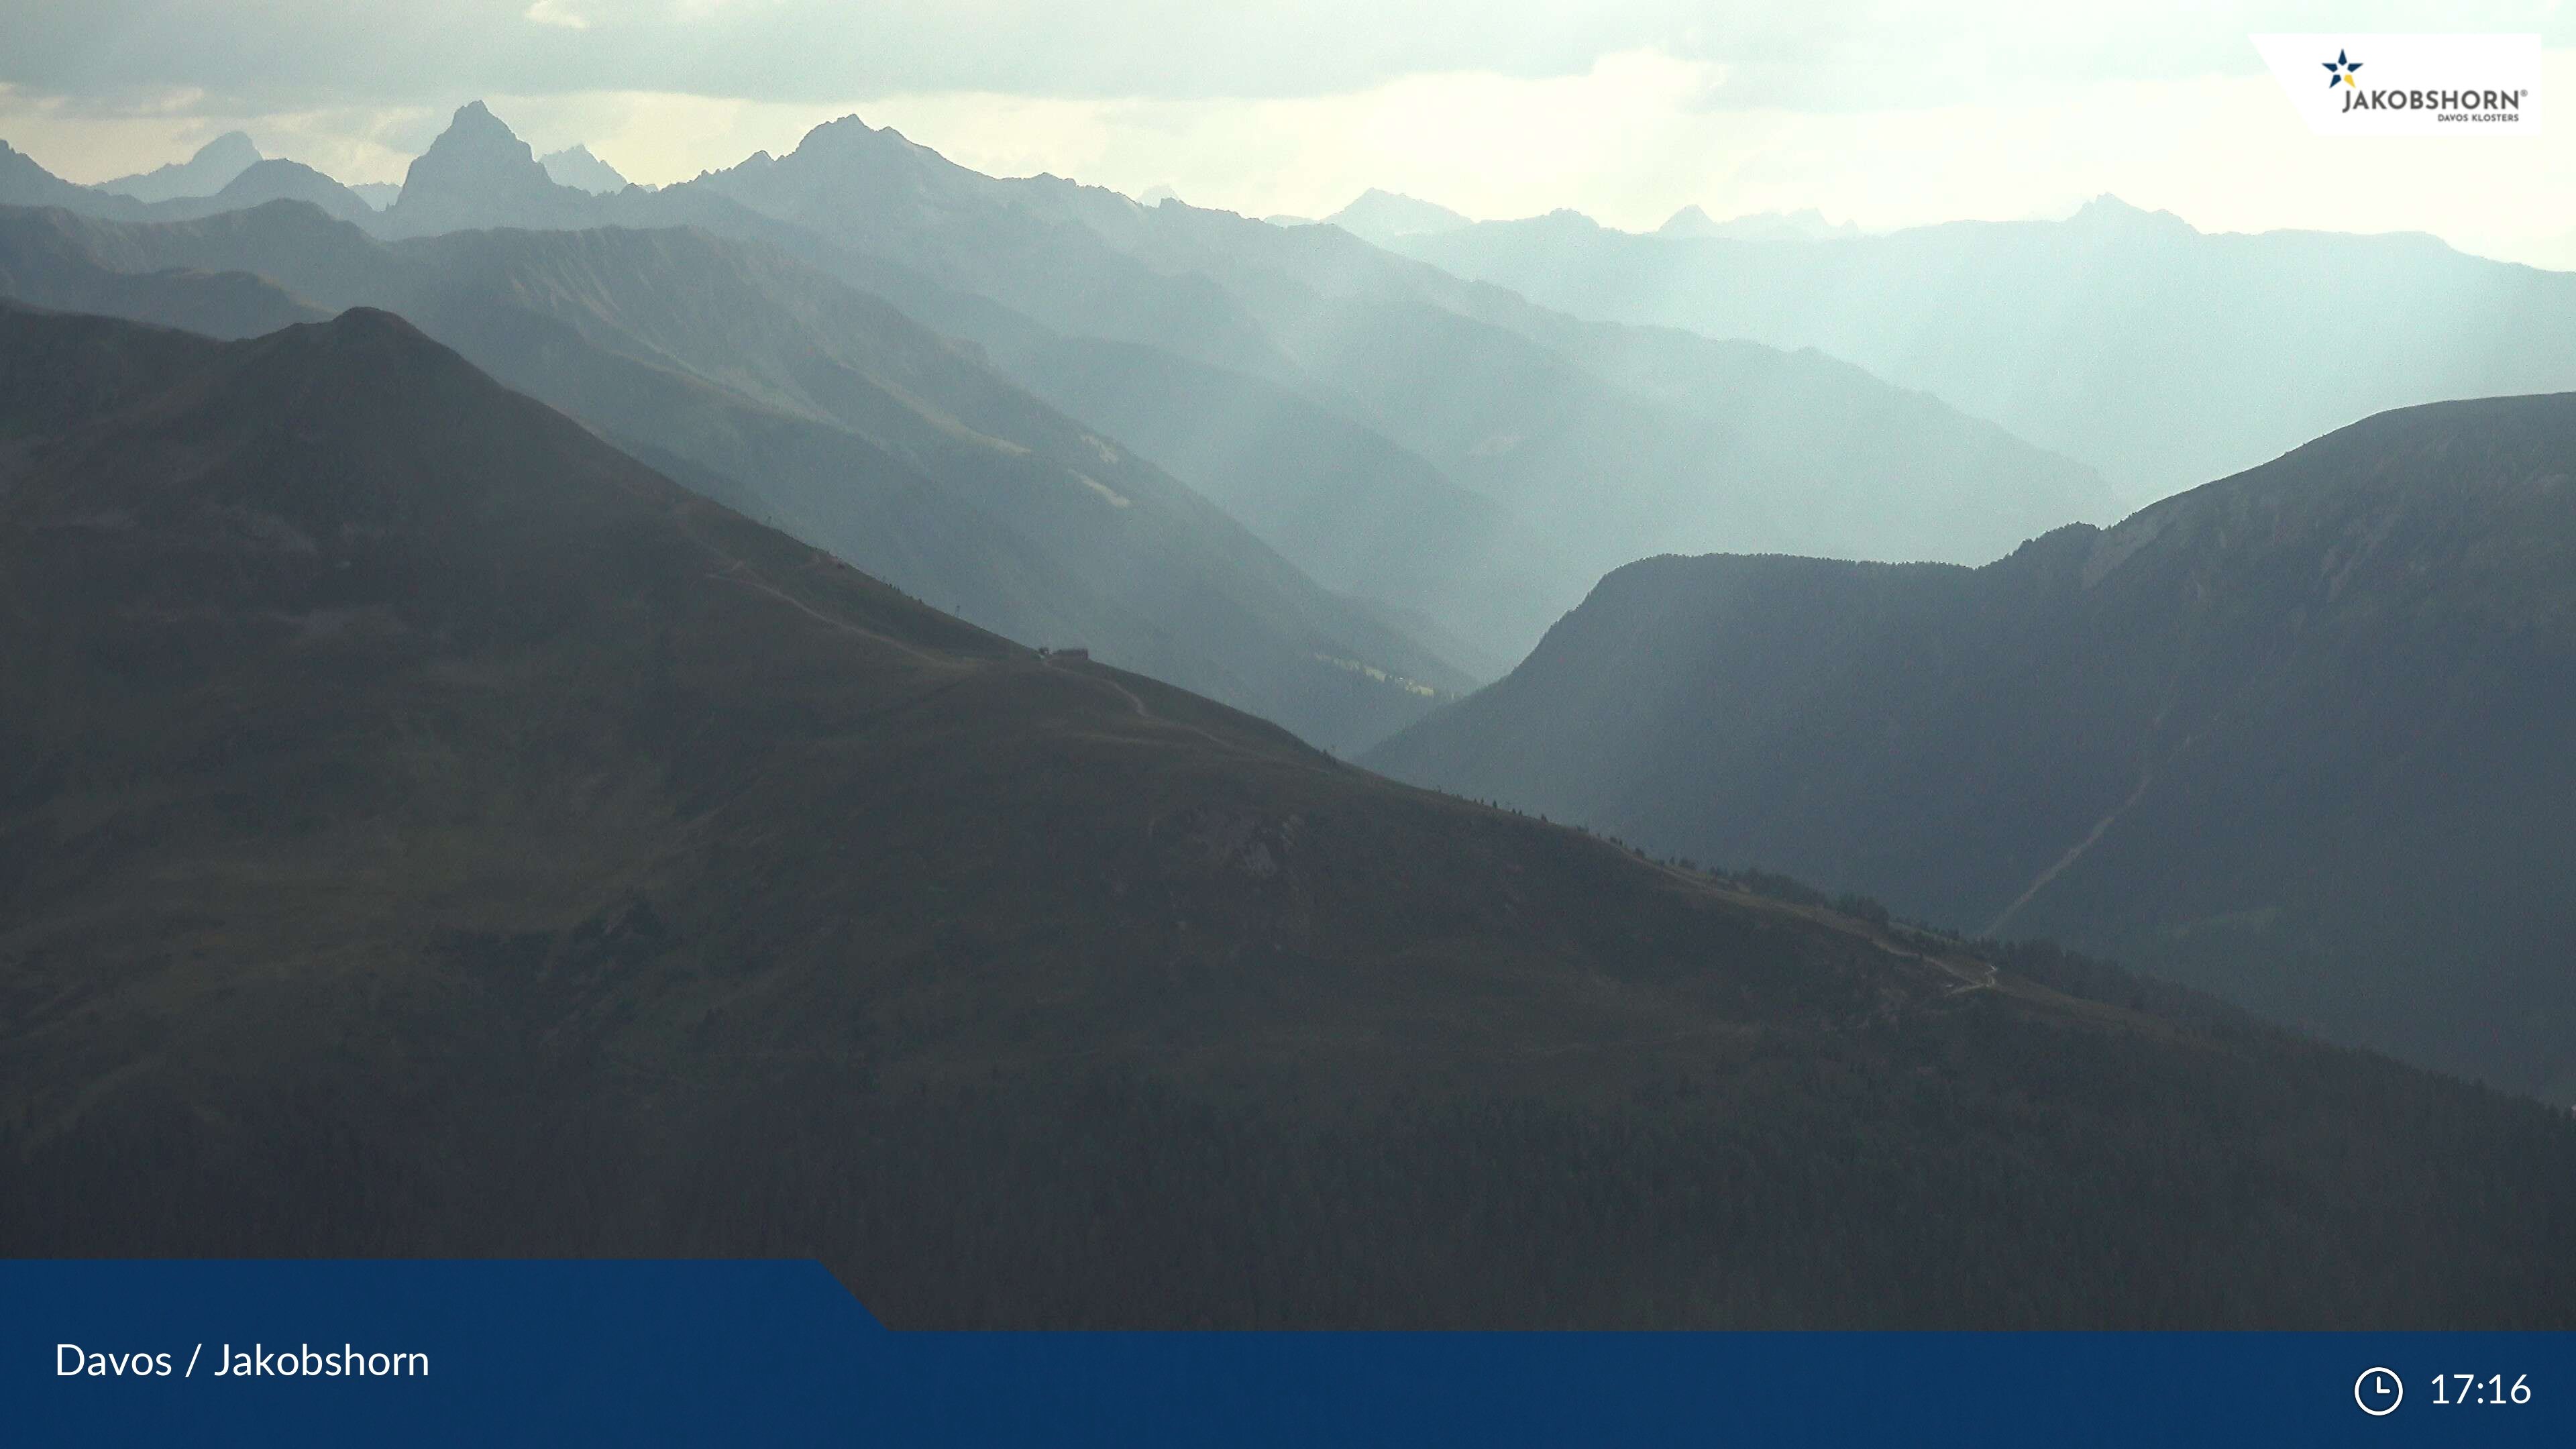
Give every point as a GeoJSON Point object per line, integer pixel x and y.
{"type": "Point", "coordinates": [1095, 764]}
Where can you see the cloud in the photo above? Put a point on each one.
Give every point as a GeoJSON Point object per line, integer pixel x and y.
{"type": "Point", "coordinates": [1862, 55]}
{"type": "Point", "coordinates": [94, 142]}
{"type": "Point", "coordinates": [1632, 139]}
{"type": "Point", "coordinates": [1888, 115]}
{"type": "Point", "coordinates": [555, 13]}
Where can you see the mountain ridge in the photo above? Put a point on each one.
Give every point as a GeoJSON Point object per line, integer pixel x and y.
{"type": "Point", "coordinates": [1494, 396]}
{"type": "Point", "coordinates": [207, 171]}
{"type": "Point", "coordinates": [1506, 399]}
{"type": "Point", "coordinates": [514, 853]}
{"type": "Point", "coordinates": [1379, 216]}
{"type": "Point", "coordinates": [786, 394]}
{"type": "Point", "coordinates": [2158, 354]}
{"type": "Point", "coordinates": [2219, 741]}
{"type": "Point", "coordinates": [576, 167]}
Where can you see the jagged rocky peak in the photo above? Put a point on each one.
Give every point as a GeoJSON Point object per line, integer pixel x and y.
{"type": "Point", "coordinates": [478, 173]}
{"type": "Point", "coordinates": [575, 166]}
{"type": "Point", "coordinates": [2106, 212]}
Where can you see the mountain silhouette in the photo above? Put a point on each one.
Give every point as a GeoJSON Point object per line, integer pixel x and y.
{"type": "Point", "coordinates": [782, 392]}
{"type": "Point", "coordinates": [1383, 216]}
{"type": "Point", "coordinates": [277, 180]}
{"type": "Point", "coordinates": [203, 174]}
{"type": "Point", "coordinates": [1594, 444]}
{"type": "Point", "coordinates": [24, 183]}
{"type": "Point", "coordinates": [478, 173]}
{"type": "Point", "coordinates": [53, 259]}
{"type": "Point", "coordinates": [426, 830]}
{"type": "Point", "coordinates": [1807, 225]}
{"type": "Point", "coordinates": [2292, 737]}
{"type": "Point", "coordinates": [574, 166]}
{"type": "Point", "coordinates": [2161, 355]}
{"type": "Point", "coordinates": [1603, 443]}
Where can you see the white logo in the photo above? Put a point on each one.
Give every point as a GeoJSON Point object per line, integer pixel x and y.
{"type": "Point", "coordinates": [2409, 85]}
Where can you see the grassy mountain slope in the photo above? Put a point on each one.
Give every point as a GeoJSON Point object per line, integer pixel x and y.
{"type": "Point", "coordinates": [424, 830]}
{"type": "Point", "coordinates": [2292, 736]}
{"type": "Point", "coordinates": [782, 391]}
{"type": "Point", "coordinates": [1361, 514]}
{"type": "Point", "coordinates": [49, 258]}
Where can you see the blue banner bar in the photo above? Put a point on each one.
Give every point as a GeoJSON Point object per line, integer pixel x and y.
{"type": "Point", "coordinates": [772, 1352]}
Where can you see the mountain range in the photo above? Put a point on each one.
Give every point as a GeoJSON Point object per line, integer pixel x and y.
{"type": "Point", "coordinates": [1383, 216]}
{"type": "Point", "coordinates": [208, 171]}
{"type": "Point", "coordinates": [425, 830]}
{"type": "Point", "coordinates": [2297, 736]}
{"type": "Point", "coordinates": [1603, 442]}
{"type": "Point", "coordinates": [2161, 355]}
{"type": "Point", "coordinates": [1806, 225]}
{"type": "Point", "coordinates": [780, 391]}
{"type": "Point", "coordinates": [526, 738]}
{"type": "Point", "coordinates": [1584, 445]}
{"type": "Point", "coordinates": [49, 259]}
{"type": "Point", "coordinates": [258, 181]}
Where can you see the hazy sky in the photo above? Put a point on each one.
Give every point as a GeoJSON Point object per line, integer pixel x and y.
{"type": "Point", "coordinates": [1627, 109]}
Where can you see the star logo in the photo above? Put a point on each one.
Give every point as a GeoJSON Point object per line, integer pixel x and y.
{"type": "Point", "coordinates": [2339, 71]}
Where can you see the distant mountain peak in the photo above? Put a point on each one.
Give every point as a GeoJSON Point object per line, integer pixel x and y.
{"type": "Point", "coordinates": [846, 152]}
{"type": "Point", "coordinates": [1689, 221]}
{"type": "Point", "coordinates": [846, 130]}
{"type": "Point", "coordinates": [278, 179]}
{"type": "Point", "coordinates": [2107, 210]}
{"type": "Point", "coordinates": [478, 173]}
{"type": "Point", "coordinates": [232, 150]}
{"type": "Point", "coordinates": [1562, 223]}
{"type": "Point", "coordinates": [209, 171]}
{"type": "Point", "coordinates": [1381, 216]}
{"type": "Point", "coordinates": [475, 125]}
{"type": "Point", "coordinates": [23, 182]}
{"type": "Point", "coordinates": [575, 166]}
{"type": "Point", "coordinates": [1381, 199]}
{"type": "Point", "coordinates": [1804, 224]}
{"type": "Point", "coordinates": [850, 136]}
{"type": "Point", "coordinates": [361, 325]}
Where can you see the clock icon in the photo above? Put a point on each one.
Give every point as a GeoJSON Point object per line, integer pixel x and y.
{"type": "Point", "coordinates": [2378, 1392]}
